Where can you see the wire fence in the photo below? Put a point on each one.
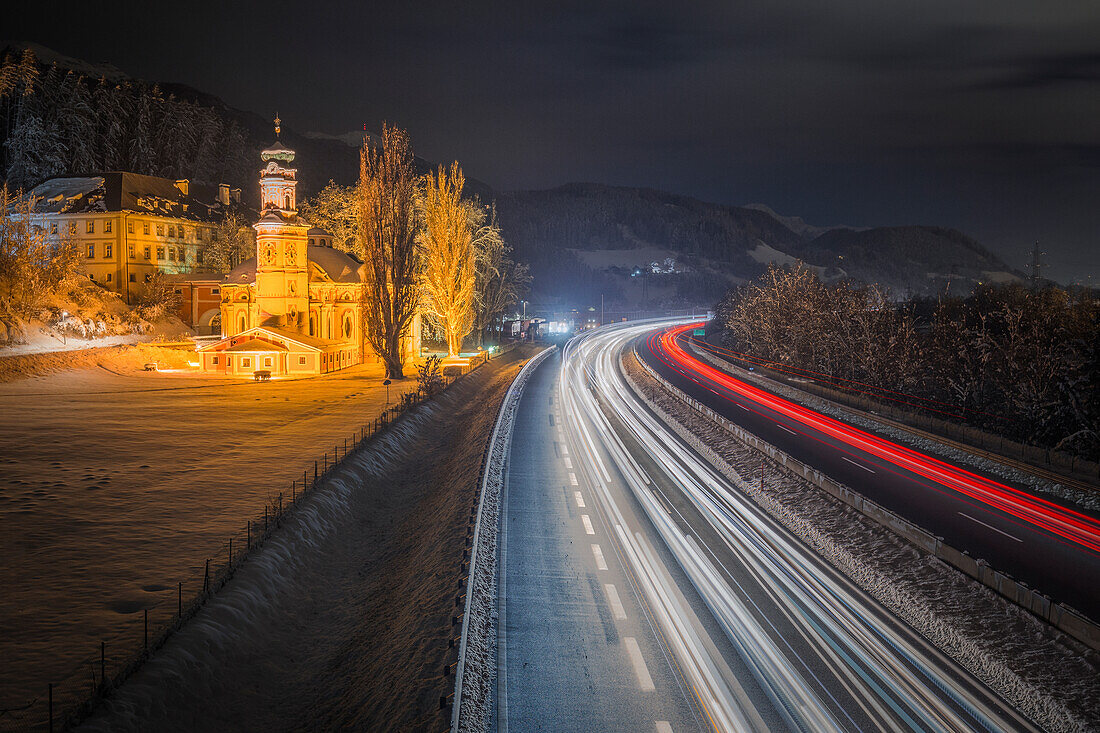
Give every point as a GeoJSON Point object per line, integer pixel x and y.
{"type": "Point", "coordinates": [69, 700]}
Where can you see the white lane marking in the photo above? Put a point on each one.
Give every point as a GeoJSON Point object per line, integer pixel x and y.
{"type": "Point", "coordinates": [616, 605]}
{"type": "Point", "coordinates": [644, 680]}
{"type": "Point", "coordinates": [784, 427]}
{"type": "Point", "coordinates": [568, 463]}
{"type": "Point", "coordinates": [564, 449]}
{"type": "Point", "coordinates": [990, 526]}
{"type": "Point", "coordinates": [587, 524]}
{"type": "Point", "coordinates": [663, 727]}
{"type": "Point", "coordinates": [858, 465]}
{"type": "Point", "coordinates": [600, 563]}
{"type": "Point", "coordinates": [579, 498]}
{"type": "Point", "coordinates": [746, 410]}
{"type": "Point", "coordinates": [573, 478]}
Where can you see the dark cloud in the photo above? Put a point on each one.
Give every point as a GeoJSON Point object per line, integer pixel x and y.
{"type": "Point", "coordinates": [1034, 73]}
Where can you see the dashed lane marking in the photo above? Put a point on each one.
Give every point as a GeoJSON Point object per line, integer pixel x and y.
{"type": "Point", "coordinates": [858, 465]}
{"type": "Point", "coordinates": [613, 600]}
{"type": "Point", "coordinates": [990, 526]}
{"type": "Point", "coordinates": [573, 478]}
{"type": "Point", "coordinates": [580, 499]}
{"type": "Point", "coordinates": [587, 524]}
{"type": "Point", "coordinates": [663, 727]}
{"type": "Point", "coordinates": [601, 564]}
{"type": "Point", "coordinates": [784, 427]}
{"type": "Point", "coordinates": [645, 682]}
{"type": "Point", "coordinates": [568, 463]}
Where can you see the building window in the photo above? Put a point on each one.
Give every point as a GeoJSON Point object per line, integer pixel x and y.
{"type": "Point", "coordinates": [267, 361]}
{"type": "Point", "coordinates": [215, 360]}
{"type": "Point", "coordinates": [90, 227]}
{"type": "Point", "coordinates": [147, 252]}
{"type": "Point", "coordinates": [198, 256]}
{"type": "Point", "coordinates": [301, 361]}
{"type": "Point", "coordinates": [147, 278]}
{"type": "Point", "coordinates": [133, 278]}
{"type": "Point", "coordinates": [213, 291]}
{"type": "Point", "coordinates": [311, 241]}
{"type": "Point", "coordinates": [108, 277]}
{"type": "Point", "coordinates": [91, 276]}
{"type": "Point", "coordinates": [179, 292]}
{"type": "Point", "coordinates": [130, 251]}
{"type": "Point", "coordinates": [107, 249]}
{"type": "Point", "coordinates": [160, 253]}
{"type": "Point", "coordinates": [160, 230]}
{"type": "Point", "coordinates": [72, 227]}
{"type": "Point", "coordinates": [229, 361]}
{"type": "Point", "coordinates": [129, 227]}
{"type": "Point", "coordinates": [145, 228]}
{"type": "Point", "coordinates": [91, 251]}
{"type": "Point", "coordinates": [347, 326]}
{"type": "Point", "coordinates": [245, 361]}
{"type": "Point", "coordinates": [53, 228]}
{"type": "Point", "coordinates": [107, 226]}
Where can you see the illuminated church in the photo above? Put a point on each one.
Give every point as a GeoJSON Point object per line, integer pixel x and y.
{"type": "Point", "coordinates": [294, 309]}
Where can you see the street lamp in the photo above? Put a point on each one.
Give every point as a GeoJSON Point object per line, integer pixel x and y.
{"type": "Point", "coordinates": [525, 310]}
{"type": "Point", "coordinates": [387, 383]}
{"type": "Point", "coordinates": [64, 317]}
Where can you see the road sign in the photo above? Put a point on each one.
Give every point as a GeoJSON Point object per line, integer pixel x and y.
{"type": "Point", "coordinates": [700, 332]}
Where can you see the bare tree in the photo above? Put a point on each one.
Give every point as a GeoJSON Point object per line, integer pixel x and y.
{"type": "Point", "coordinates": [33, 262]}
{"type": "Point", "coordinates": [447, 255]}
{"type": "Point", "coordinates": [387, 244]}
{"type": "Point", "coordinates": [335, 209]}
{"type": "Point", "coordinates": [233, 242]}
{"type": "Point", "coordinates": [500, 280]}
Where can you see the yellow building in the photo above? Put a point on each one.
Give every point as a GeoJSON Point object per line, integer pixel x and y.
{"type": "Point", "coordinates": [129, 226]}
{"type": "Point", "coordinates": [294, 308]}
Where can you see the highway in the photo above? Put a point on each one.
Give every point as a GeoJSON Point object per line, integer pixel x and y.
{"type": "Point", "coordinates": [1050, 547]}
{"type": "Point", "coordinates": [641, 590]}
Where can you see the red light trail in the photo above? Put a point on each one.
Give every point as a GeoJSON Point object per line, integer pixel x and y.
{"type": "Point", "coordinates": [1061, 521]}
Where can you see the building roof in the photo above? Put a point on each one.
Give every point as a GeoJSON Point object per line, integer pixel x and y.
{"type": "Point", "coordinates": [257, 345]}
{"type": "Point", "coordinates": [124, 191]}
{"type": "Point", "coordinates": [337, 266]}
{"type": "Point", "coordinates": [277, 151]}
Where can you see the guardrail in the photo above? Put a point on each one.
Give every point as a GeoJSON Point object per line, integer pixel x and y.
{"type": "Point", "coordinates": [1061, 616]}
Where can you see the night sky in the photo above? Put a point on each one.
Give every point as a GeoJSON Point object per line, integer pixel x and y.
{"type": "Point", "coordinates": [984, 116]}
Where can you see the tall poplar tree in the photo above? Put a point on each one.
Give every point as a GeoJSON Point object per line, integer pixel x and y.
{"type": "Point", "coordinates": [387, 244]}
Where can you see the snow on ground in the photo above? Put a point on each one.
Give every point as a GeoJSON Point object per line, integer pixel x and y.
{"type": "Point", "coordinates": [1045, 673]}
{"type": "Point", "coordinates": [957, 456]}
{"type": "Point", "coordinates": [341, 620]}
{"type": "Point", "coordinates": [116, 486]}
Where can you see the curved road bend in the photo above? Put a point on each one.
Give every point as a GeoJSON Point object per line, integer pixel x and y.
{"type": "Point", "coordinates": [639, 590]}
{"type": "Point", "coordinates": [1051, 548]}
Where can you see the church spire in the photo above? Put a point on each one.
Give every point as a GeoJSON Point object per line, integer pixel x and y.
{"type": "Point", "coordinates": [277, 122]}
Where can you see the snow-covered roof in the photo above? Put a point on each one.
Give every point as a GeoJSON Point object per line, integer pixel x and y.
{"type": "Point", "coordinates": [335, 265]}
{"type": "Point", "coordinates": [277, 151]}
{"type": "Point", "coordinates": [256, 345]}
{"type": "Point", "coordinates": [125, 191]}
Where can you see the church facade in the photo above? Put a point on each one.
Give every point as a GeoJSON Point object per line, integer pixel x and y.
{"type": "Point", "coordinates": [294, 309]}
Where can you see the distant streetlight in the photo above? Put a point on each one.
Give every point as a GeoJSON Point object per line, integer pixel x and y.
{"type": "Point", "coordinates": [64, 317]}
{"type": "Point", "coordinates": [387, 383]}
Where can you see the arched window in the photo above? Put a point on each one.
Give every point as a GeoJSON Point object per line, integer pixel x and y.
{"type": "Point", "coordinates": [312, 326]}
{"type": "Point", "coordinates": [347, 326]}
{"type": "Point", "coordinates": [287, 200]}
{"type": "Point", "coordinates": [240, 323]}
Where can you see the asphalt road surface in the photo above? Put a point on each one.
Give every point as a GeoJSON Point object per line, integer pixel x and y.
{"type": "Point", "coordinates": [1047, 546]}
{"type": "Point", "coordinates": [640, 591]}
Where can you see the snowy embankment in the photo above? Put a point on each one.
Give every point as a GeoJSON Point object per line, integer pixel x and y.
{"type": "Point", "coordinates": [1044, 673]}
{"type": "Point", "coordinates": [944, 451]}
{"type": "Point", "coordinates": [341, 619]}
{"type": "Point", "coordinates": [477, 653]}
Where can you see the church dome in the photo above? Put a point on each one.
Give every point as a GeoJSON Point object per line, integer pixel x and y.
{"type": "Point", "coordinates": [277, 151]}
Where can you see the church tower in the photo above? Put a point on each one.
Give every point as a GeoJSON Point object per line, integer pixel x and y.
{"type": "Point", "coordinates": [282, 270]}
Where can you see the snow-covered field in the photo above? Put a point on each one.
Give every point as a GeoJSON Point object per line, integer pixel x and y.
{"type": "Point", "coordinates": [340, 621]}
{"type": "Point", "coordinates": [116, 486]}
{"type": "Point", "coordinates": [1046, 674]}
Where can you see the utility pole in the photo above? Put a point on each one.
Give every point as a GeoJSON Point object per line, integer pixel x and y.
{"type": "Point", "coordinates": [1036, 266]}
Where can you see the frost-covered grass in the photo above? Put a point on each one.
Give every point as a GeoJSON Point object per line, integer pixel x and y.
{"type": "Point", "coordinates": [1041, 671]}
